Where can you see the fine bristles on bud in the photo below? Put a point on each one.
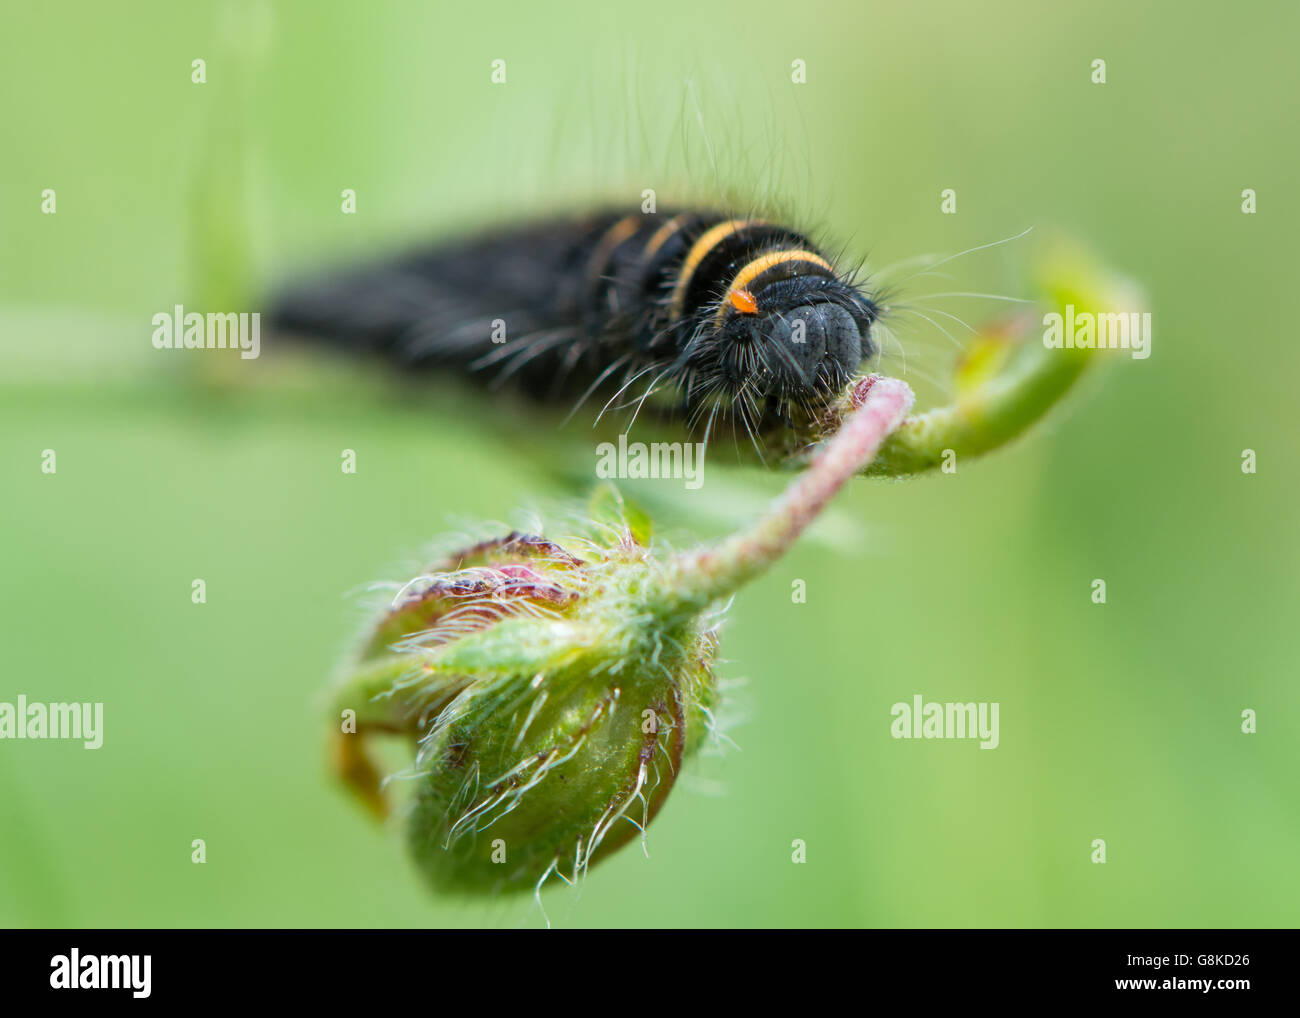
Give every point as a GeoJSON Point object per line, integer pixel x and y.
{"type": "Point", "coordinates": [552, 690]}
{"type": "Point", "coordinates": [551, 701]}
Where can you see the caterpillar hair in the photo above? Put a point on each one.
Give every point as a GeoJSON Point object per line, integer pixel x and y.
{"type": "Point", "coordinates": [720, 318]}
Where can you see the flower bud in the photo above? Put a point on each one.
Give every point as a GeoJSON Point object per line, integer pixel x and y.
{"type": "Point", "coordinates": [552, 694]}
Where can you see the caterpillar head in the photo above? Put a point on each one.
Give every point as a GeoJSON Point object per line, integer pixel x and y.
{"type": "Point", "coordinates": [798, 337]}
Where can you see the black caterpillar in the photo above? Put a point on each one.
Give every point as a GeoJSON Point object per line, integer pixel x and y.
{"type": "Point", "coordinates": [723, 314]}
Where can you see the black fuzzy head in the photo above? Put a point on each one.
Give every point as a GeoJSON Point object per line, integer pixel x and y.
{"type": "Point", "coordinates": [794, 339]}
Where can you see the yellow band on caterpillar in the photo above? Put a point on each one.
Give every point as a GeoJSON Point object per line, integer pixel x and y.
{"type": "Point", "coordinates": [707, 242]}
{"type": "Point", "coordinates": [660, 237]}
{"type": "Point", "coordinates": [764, 262]}
{"type": "Point", "coordinates": [612, 238]}
{"type": "Point", "coordinates": [756, 268]}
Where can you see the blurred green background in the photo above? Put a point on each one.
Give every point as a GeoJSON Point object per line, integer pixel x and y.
{"type": "Point", "coordinates": [1119, 721]}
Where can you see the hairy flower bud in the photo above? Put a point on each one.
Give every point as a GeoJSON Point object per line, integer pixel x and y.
{"type": "Point", "coordinates": [553, 696]}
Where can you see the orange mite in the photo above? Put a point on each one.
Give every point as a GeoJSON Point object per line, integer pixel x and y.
{"type": "Point", "coordinates": [743, 301]}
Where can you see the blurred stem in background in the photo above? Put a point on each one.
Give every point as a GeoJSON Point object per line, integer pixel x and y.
{"type": "Point", "coordinates": [224, 248]}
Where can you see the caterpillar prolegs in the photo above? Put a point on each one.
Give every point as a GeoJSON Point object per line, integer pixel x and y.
{"type": "Point", "coordinates": [718, 317]}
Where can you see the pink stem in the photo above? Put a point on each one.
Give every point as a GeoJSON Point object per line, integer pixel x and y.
{"type": "Point", "coordinates": [714, 572]}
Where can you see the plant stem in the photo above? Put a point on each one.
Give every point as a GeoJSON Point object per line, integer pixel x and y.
{"type": "Point", "coordinates": [709, 574]}
{"type": "Point", "coordinates": [986, 418]}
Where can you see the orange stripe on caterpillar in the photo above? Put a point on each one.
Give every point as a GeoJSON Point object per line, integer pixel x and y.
{"type": "Point", "coordinates": [611, 239]}
{"type": "Point", "coordinates": [706, 243]}
{"type": "Point", "coordinates": [738, 295]}
{"type": "Point", "coordinates": [661, 235]}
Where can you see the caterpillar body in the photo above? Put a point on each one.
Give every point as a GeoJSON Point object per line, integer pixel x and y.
{"type": "Point", "coordinates": [719, 316]}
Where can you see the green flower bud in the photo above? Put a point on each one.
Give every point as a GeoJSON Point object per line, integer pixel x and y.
{"type": "Point", "coordinates": [553, 694]}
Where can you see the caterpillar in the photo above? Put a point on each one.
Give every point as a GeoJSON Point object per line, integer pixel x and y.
{"type": "Point", "coordinates": [715, 315]}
